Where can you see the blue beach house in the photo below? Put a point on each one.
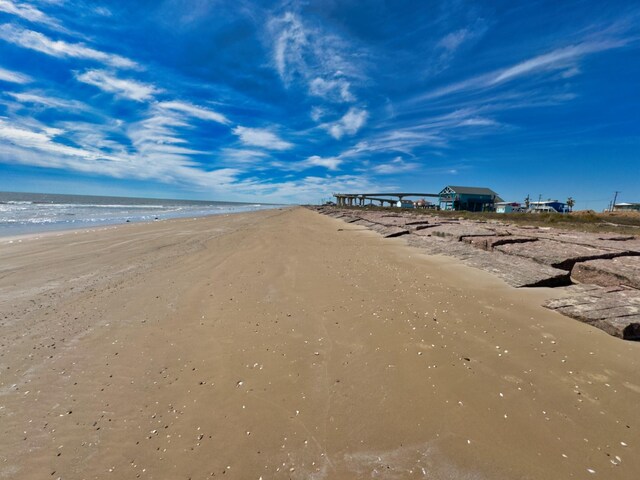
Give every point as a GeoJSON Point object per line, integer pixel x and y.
{"type": "Point", "coordinates": [550, 206]}
{"type": "Point", "coordinates": [472, 199]}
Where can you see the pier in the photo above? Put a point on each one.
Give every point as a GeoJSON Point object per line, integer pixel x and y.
{"type": "Point", "coordinates": [359, 199]}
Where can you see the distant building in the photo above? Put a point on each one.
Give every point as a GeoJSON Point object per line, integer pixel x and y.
{"type": "Point", "coordinates": [508, 207]}
{"type": "Point", "coordinates": [472, 199]}
{"type": "Point", "coordinates": [550, 206]}
{"type": "Point", "coordinates": [422, 203]}
{"type": "Point", "coordinates": [404, 204]}
{"type": "Point", "coordinates": [626, 207]}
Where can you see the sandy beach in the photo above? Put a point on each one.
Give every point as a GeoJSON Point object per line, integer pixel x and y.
{"type": "Point", "coordinates": [287, 344]}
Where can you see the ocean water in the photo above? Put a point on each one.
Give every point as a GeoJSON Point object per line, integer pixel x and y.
{"type": "Point", "coordinates": [24, 213]}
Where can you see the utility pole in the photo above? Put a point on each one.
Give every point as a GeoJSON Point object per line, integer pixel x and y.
{"type": "Point", "coordinates": [615, 197]}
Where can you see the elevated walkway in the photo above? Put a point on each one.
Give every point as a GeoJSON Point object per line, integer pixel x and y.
{"type": "Point", "coordinates": [351, 199]}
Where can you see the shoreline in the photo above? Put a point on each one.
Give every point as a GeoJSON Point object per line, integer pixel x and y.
{"type": "Point", "coordinates": [286, 344]}
{"type": "Point", "coordinates": [108, 226]}
{"type": "Point", "coordinates": [28, 213]}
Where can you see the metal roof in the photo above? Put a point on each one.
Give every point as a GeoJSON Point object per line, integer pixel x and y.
{"type": "Point", "coordinates": [545, 202]}
{"type": "Point", "coordinates": [471, 190]}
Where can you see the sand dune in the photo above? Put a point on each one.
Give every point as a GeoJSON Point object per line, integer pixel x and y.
{"type": "Point", "coordinates": [286, 344]}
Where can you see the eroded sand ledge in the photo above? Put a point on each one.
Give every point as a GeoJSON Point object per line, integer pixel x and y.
{"type": "Point", "coordinates": [607, 267]}
{"type": "Point", "coordinates": [285, 344]}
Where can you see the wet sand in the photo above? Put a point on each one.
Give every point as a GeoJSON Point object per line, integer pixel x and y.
{"type": "Point", "coordinates": [286, 344]}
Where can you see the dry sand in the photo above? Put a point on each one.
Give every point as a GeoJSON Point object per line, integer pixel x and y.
{"type": "Point", "coordinates": [285, 344]}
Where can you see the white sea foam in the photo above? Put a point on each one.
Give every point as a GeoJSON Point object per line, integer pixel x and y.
{"type": "Point", "coordinates": [31, 213]}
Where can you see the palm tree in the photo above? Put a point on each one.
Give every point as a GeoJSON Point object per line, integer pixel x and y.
{"type": "Point", "coordinates": [570, 203]}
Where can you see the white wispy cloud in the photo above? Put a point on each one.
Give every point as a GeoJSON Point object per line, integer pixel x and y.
{"type": "Point", "coordinates": [41, 140]}
{"type": "Point", "coordinates": [317, 113]}
{"type": "Point", "coordinates": [40, 146]}
{"type": "Point", "coordinates": [349, 124]}
{"type": "Point", "coordinates": [243, 155]}
{"type": "Point", "coordinates": [26, 12]}
{"type": "Point", "coordinates": [159, 131]}
{"type": "Point", "coordinates": [13, 77]}
{"type": "Point", "coordinates": [162, 137]}
{"type": "Point", "coordinates": [102, 11]}
{"type": "Point", "coordinates": [97, 137]}
{"type": "Point", "coordinates": [399, 140]}
{"type": "Point", "coordinates": [559, 59]}
{"type": "Point", "coordinates": [455, 40]}
{"type": "Point", "coordinates": [337, 90]}
{"type": "Point", "coordinates": [261, 137]}
{"type": "Point", "coordinates": [289, 45]}
{"type": "Point", "coordinates": [306, 189]}
{"type": "Point", "coordinates": [59, 48]}
{"type": "Point", "coordinates": [325, 65]}
{"type": "Point", "coordinates": [451, 45]}
{"type": "Point", "coordinates": [47, 101]}
{"type": "Point", "coordinates": [195, 111]}
{"type": "Point", "coordinates": [127, 88]}
{"type": "Point", "coordinates": [478, 122]}
{"type": "Point", "coordinates": [436, 131]}
{"type": "Point", "coordinates": [330, 163]}
{"type": "Point", "coordinates": [395, 166]}
{"type": "Point", "coordinates": [452, 41]}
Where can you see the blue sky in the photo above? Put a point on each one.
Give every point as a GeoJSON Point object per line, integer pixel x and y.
{"type": "Point", "coordinates": [291, 101]}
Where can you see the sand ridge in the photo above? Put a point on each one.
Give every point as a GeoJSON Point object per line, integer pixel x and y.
{"type": "Point", "coordinates": [284, 344]}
